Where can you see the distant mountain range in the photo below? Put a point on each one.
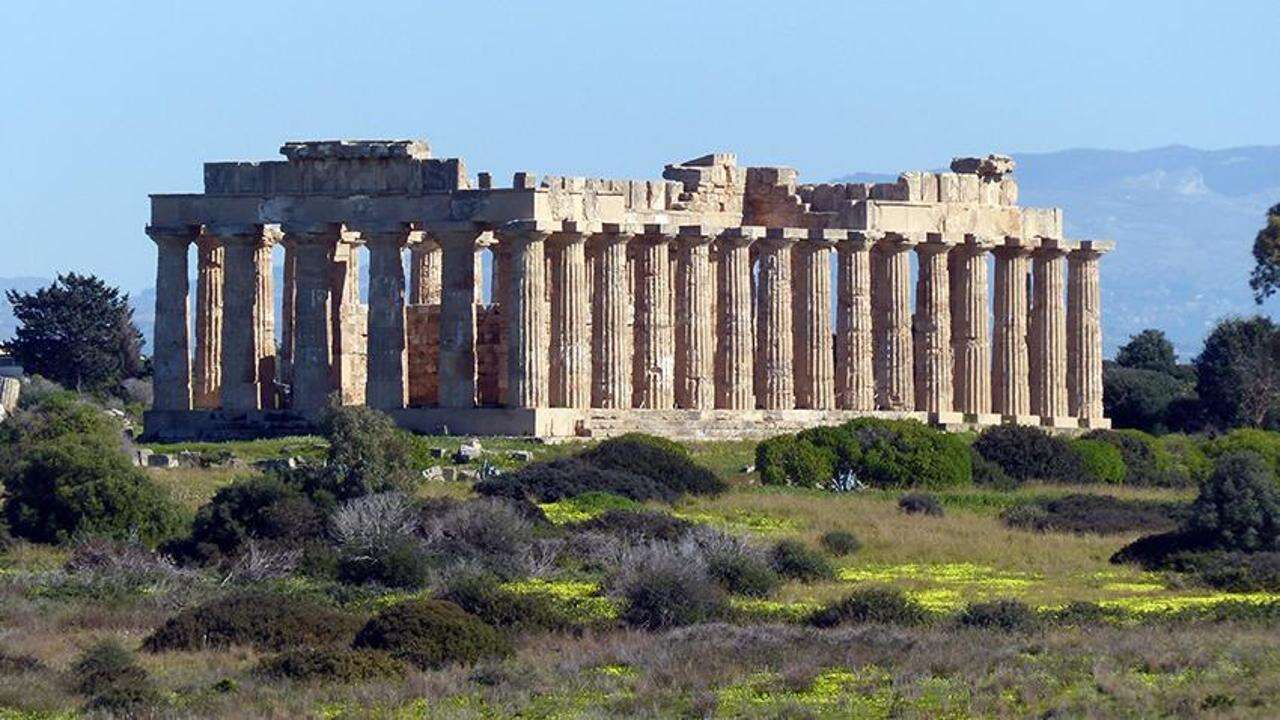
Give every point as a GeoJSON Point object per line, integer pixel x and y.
{"type": "Point", "coordinates": [1183, 221]}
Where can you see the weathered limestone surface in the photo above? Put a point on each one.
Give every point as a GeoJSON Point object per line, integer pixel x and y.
{"type": "Point", "coordinates": [702, 299]}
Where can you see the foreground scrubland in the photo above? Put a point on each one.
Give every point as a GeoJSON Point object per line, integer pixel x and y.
{"type": "Point", "coordinates": [823, 575]}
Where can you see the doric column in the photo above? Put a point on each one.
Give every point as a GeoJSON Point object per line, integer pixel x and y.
{"type": "Point", "coordinates": [570, 363]}
{"type": "Point", "coordinates": [385, 387]}
{"type": "Point", "coordinates": [170, 354]}
{"type": "Point", "coordinates": [814, 353]}
{"type": "Point", "coordinates": [654, 372]}
{"type": "Point", "coordinates": [932, 326]}
{"type": "Point", "coordinates": [240, 388]}
{"type": "Point", "coordinates": [1049, 331]}
{"type": "Point", "coordinates": [774, 341]}
{"type": "Point", "coordinates": [1012, 395]}
{"type": "Point", "coordinates": [855, 379]}
{"type": "Point", "coordinates": [349, 322]}
{"type": "Point", "coordinates": [970, 336]}
{"type": "Point", "coordinates": [1084, 334]}
{"type": "Point", "coordinates": [735, 345]}
{"type": "Point", "coordinates": [205, 372]}
{"type": "Point", "coordinates": [424, 272]}
{"type": "Point", "coordinates": [288, 309]}
{"type": "Point", "coordinates": [264, 316]}
{"type": "Point", "coordinates": [313, 246]}
{"type": "Point", "coordinates": [610, 341]}
{"type": "Point", "coordinates": [457, 356]}
{"type": "Point", "coordinates": [695, 319]}
{"type": "Point", "coordinates": [525, 297]}
{"type": "Point", "coordinates": [891, 321]}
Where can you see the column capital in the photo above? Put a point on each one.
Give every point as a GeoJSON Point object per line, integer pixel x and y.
{"type": "Point", "coordinates": [861, 239]}
{"type": "Point", "coordinates": [1092, 248]}
{"type": "Point", "coordinates": [699, 234]}
{"type": "Point", "coordinates": [309, 233]}
{"type": "Point", "coordinates": [393, 232]}
{"type": "Point", "coordinates": [658, 233]}
{"type": "Point", "coordinates": [1013, 246]}
{"type": "Point", "coordinates": [240, 234]}
{"type": "Point", "coordinates": [901, 240]}
{"type": "Point", "coordinates": [824, 237]}
{"type": "Point", "coordinates": [175, 234]}
{"type": "Point", "coordinates": [740, 236]}
{"type": "Point", "coordinates": [784, 235]}
{"type": "Point", "coordinates": [978, 244]}
{"type": "Point", "coordinates": [1052, 247]}
{"type": "Point", "coordinates": [937, 243]}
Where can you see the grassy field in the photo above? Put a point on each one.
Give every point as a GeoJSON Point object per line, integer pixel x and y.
{"type": "Point", "coordinates": [764, 666]}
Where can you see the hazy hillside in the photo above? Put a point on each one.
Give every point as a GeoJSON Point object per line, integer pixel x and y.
{"type": "Point", "coordinates": [1183, 221]}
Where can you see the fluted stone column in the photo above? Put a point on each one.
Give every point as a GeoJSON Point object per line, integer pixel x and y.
{"type": "Point", "coordinates": [774, 342]}
{"type": "Point", "coordinates": [1048, 342]}
{"type": "Point", "coordinates": [654, 380]}
{"type": "Point", "coordinates": [735, 346]}
{"type": "Point", "coordinates": [313, 246]}
{"type": "Point", "coordinates": [264, 317]}
{"type": "Point", "coordinates": [1012, 395]}
{"type": "Point", "coordinates": [891, 321]}
{"type": "Point", "coordinates": [385, 387]}
{"type": "Point", "coordinates": [970, 336]}
{"type": "Point", "coordinates": [240, 388]}
{"type": "Point", "coordinates": [457, 356]}
{"type": "Point", "coordinates": [170, 356]}
{"type": "Point", "coordinates": [695, 319]}
{"type": "Point", "coordinates": [934, 366]}
{"type": "Point", "coordinates": [206, 375]}
{"type": "Point", "coordinates": [610, 341]}
{"type": "Point", "coordinates": [288, 309]}
{"type": "Point", "coordinates": [1084, 334]}
{"type": "Point", "coordinates": [525, 296]}
{"type": "Point", "coordinates": [814, 353]}
{"type": "Point", "coordinates": [570, 363]}
{"type": "Point", "coordinates": [854, 362]}
{"type": "Point", "coordinates": [424, 272]}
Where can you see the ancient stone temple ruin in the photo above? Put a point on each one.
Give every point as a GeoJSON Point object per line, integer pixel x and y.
{"type": "Point", "coordinates": [719, 301]}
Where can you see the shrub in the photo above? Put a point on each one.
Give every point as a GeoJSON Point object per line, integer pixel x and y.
{"type": "Point", "coordinates": [665, 462]}
{"type": "Point", "coordinates": [1007, 615]}
{"type": "Point", "coordinates": [66, 476]}
{"type": "Point", "coordinates": [568, 477]}
{"type": "Point", "coordinates": [1029, 453]}
{"type": "Point", "coordinates": [989, 474]}
{"type": "Point", "coordinates": [881, 605]}
{"type": "Point", "coordinates": [1187, 452]}
{"type": "Point", "coordinates": [261, 620]}
{"type": "Point", "coordinates": [104, 665]}
{"type": "Point", "coordinates": [1101, 514]}
{"type": "Point", "coordinates": [1145, 460]}
{"type": "Point", "coordinates": [840, 543]}
{"type": "Point", "coordinates": [259, 508]}
{"type": "Point", "coordinates": [1081, 612]}
{"type": "Point", "coordinates": [637, 526]}
{"type": "Point", "coordinates": [743, 573]}
{"type": "Point", "coordinates": [792, 559]}
{"type": "Point", "coordinates": [11, 664]}
{"type": "Point", "coordinates": [482, 596]}
{"type": "Point", "coordinates": [399, 562]}
{"type": "Point", "coordinates": [487, 533]}
{"type": "Point", "coordinates": [881, 453]}
{"type": "Point", "coordinates": [1101, 461]}
{"type": "Point", "coordinates": [377, 541]}
{"type": "Point", "coordinates": [1140, 397]}
{"type": "Point", "coordinates": [664, 587]}
{"type": "Point", "coordinates": [920, 504]}
{"type": "Point", "coordinates": [1263, 442]}
{"type": "Point", "coordinates": [1239, 505]}
{"type": "Point", "coordinates": [1235, 571]}
{"type": "Point", "coordinates": [1154, 552]}
{"type": "Point", "coordinates": [367, 453]}
{"type": "Point", "coordinates": [431, 634]}
{"type": "Point", "coordinates": [340, 665]}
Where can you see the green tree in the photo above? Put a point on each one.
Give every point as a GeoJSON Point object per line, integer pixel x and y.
{"type": "Point", "coordinates": [1265, 279]}
{"type": "Point", "coordinates": [1238, 373]}
{"type": "Point", "coordinates": [1141, 398]}
{"type": "Point", "coordinates": [78, 331]}
{"type": "Point", "coordinates": [1149, 350]}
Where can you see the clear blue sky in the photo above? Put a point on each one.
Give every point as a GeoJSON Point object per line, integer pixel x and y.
{"type": "Point", "coordinates": [105, 102]}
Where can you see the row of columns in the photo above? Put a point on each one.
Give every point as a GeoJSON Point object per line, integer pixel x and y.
{"type": "Point", "coordinates": [715, 339]}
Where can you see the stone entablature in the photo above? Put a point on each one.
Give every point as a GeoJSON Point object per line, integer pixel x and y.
{"type": "Point", "coordinates": [711, 288]}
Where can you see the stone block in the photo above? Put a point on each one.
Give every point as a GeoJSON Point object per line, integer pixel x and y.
{"type": "Point", "coordinates": [928, 187]}
{"type": "Point", "coordinates": [969, 188]}
{"type": "Point", "coordinates": [161, 460]}
{"type": "Point", "coordinates": [524, 181]}
{"type": "Point", "coordinates": [988, 191]}
{"type": "Point", "coordinates": [914, 184]}
{"type": "Point", "coordinates": [484, 181]}
{"type": "Point", "coordinates": [1008, 191]}
{"type": "Point", "coordinates": [948, 187]}
{"type": "Point", "coordinates": [10, 390]}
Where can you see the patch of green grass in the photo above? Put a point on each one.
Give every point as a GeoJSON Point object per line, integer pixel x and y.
{"type": "Point", "coordinates": [586, 506]}
{"type": "Point", "coordinates": [307, 446]}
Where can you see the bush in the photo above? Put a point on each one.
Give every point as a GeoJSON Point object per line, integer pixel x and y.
{"type": "Point", "coordinates": [482, 596]}
{"type": "Point", "coordinates": [883, 605]}
{"type": "Point", "coordinates": [486, 533]}
{"type": "Point", "coordinates": [1235, 571]}
{"type": "Point", "coordinates": [109, 674]}
{"type": "Point", "coordinates": [566, 478]}
{"type": "Point", "coordinates": [1187, 453]}
{"type": "Point", "coordinates": [665, 462]}
{"type": "Point", "coordinates": [880, 453]}
{"type": "Point", "coordinates": [636, 526]}
{"type": "Point", "coordinates": [1239, 505]}
{"type": "Point", "coordinates": [261, 620]}
{"type": "Point", "coordinates": [431, 634]}
{"type": "Point", "coordinates": [989, 474]}
{"type": "Point", "coordinates": [1142, 398]}
{"type": "Point", "coordinates": [378, 542]}
{"type": "Point", "coordinates": [367, 453]}
{"type": "Point", "coordinates": [1263, 442]}
{"type": "Point", "coordinates": [743, 573]}
{"type": "Point", "coordinates": [334, 665]}
{"type": "Point", "coordinates": [400, 562]}
{"type": "Point", "coordinates": [1007, 615]}
{"type": "Point", "coordinates": [256, 508]}
{"type": "Point", "coordinates": [791, 559]}
{"type": "Point", "coordinates": [1145, 459]}
{"type": "Point", "coordinates": [840, 543]}
{"type": "Point", "coordinates": [1101, 514]}
{"type": "Point", "coordinates": [1081, 612]}
{"type": "Point", "coordinates": [920, 504]}
{"type": "Point", "coordinates": [1028, 453]}
{"type": "Point", "coordinates": [1101, 461]}
{"type": "Point", "coordinates": [1154, 552]}
{"type": "Point", "coordinates": [663, 587]}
